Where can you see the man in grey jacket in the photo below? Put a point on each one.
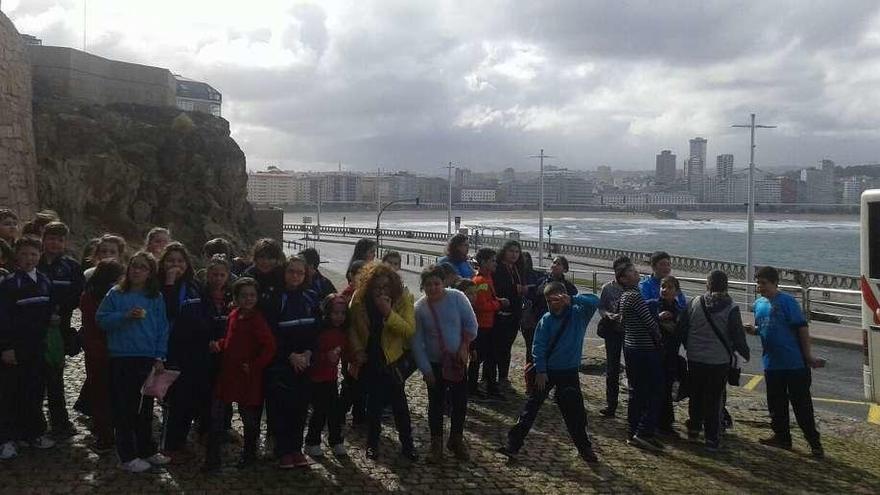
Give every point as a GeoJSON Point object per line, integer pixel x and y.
{"type": "Point", "coordinates": [710, 355]}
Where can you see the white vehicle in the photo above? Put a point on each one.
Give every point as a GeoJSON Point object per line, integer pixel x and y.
{"type": "Point", "coordinates": [870, 282]}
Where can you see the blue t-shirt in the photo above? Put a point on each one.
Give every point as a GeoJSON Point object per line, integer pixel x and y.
{"type": "Point", "coordinates": [777, 321]}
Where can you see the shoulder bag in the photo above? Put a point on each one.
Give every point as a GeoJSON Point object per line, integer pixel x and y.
{"type": "Point", "coordinates": [734, 372]}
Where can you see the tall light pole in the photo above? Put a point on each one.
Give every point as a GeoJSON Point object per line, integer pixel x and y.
{"type": "Point", "coordinates": [750, 268]}
{"type": "Point", "coordinates": [320, 193]}
{"type": "Point", "coordinates": [541, 156]}
{"type": "Point", "coordinates": [449, 168]}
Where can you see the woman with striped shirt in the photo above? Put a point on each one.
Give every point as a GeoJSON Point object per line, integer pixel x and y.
{"type": "Point", "coordinates": [641, 347]}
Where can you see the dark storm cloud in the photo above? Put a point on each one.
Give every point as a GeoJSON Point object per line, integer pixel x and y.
{"type": "Point", "coordinates": [485, 84]}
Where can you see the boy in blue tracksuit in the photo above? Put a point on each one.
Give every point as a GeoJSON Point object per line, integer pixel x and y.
{"type": "Point", "coordinates": [25, 307]}
{"type": "Point", "coordinates": [563, 328]}
{"type": "Point", "coordinates": [66, 276]}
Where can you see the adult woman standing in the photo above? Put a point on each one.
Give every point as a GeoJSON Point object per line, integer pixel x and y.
{"type": "Point", "coordinates": [364, 250]}
{"type": "Point", "coordinates": [445, 326]}
{"type": "Point", "coordinates": [382, 325]}
{"type": "Point", "coordinates": [508, 285]}
{"type": "Point", "coordinates": [713, 330]}
{"type": "Point", "coordinates": [457, 255]}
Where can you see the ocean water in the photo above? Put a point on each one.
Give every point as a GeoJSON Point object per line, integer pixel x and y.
{"type": "Point", "coordinates": [807, 242]}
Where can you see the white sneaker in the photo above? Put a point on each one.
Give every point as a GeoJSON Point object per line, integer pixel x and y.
{"type": "Point", "coordinates": [314, 451]}
{"type": "Point", "coordinates": [158, 459]}
{"type": "Point", "coordinates": [42, 442]}
{"type": "Point", "coordinates": [339, 450]}
{"type": "Point", "coordinates": [8, 451]}
{"type": "Point", "coordinates": [136, 465]}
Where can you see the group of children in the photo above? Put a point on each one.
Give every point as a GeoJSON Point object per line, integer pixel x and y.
{"type": "Point", "coordinates": [272, 336]}
{"type": "Point", "coordinates": [268, 336]}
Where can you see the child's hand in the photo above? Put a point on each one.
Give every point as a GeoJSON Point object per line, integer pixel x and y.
{"type": "Point", "coordinates": [383, 304]}
{"type": "Point", "coordinates": [750, 329]}
{"type": "Point", "coordinates": [172, 274]}
{"type": "Point", "coordinates": [666, 315]}
{"type": "Point", "coordinates": [246, 368]}
{"type": "Point", "coordinates": [136, 313]}
{"type": "Point", "coordinates": [504, 301]}
{"type": "Point", "coordinates": [159, 366]}
{"type": "Point", "coordinates": [214, 346]}
{"type": "Point", "coordinates": [8, 358]}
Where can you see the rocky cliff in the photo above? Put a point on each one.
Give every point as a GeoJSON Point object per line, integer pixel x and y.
{"type": "Point", "coordinates": [124, 168]}
{"type": "Point", "coordinates": [18, 189]}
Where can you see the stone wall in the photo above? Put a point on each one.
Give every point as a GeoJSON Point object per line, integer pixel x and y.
{"type": "Point", "coordinates": [18, 189]}
{"type": "Point", "coordinates": [61, 72]}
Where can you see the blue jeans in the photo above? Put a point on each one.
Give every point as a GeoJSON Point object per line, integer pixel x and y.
{"type": "Point", "coordinates": [644, 372]}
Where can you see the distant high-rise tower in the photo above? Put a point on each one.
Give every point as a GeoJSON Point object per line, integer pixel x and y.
{"type": "Point", "coordinates": [665, 171]}
{"type": "Point", "coordinates": [696, 166]}
{"type": "Point", "coordinates": [724, 165]}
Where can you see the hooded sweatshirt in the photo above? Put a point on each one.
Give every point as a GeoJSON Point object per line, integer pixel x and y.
{"type": "Point", "coordinates": [701, 342]}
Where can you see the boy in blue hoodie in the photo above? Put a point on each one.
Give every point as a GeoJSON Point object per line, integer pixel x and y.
{"type": "Point", "coordinates": [557, 352]}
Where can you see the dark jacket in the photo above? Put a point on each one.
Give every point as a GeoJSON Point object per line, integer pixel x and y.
{"type": "Point", "coordinates": [295, 323]}
{"type": "Point", "coordinates": [270, 285]}
{"type": "Point", "coordinates": [178, 296]}
{"type": "Point", "coordinates": [507, 278]}
{"type": "Point", "coordinates": [198, 322]}
{"type": "Point", "coordinates": [322, 285]}
{"type": "Point", "coordinates": [67, 280]}
{"type": "Point", "coordinates": [25, 308]}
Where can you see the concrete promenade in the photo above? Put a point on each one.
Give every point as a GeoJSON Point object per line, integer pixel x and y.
{"type": "Point", "coordinates": [547, 464]}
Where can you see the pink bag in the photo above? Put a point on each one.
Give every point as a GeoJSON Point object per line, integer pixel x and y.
{"type": "Point", "coordinates": [157, 384]}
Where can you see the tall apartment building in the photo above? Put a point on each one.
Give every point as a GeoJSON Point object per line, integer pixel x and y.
{"type": "Point", "coordinates": [724, 165]}
{"type": "Point", "coordinates": [664, 174]}
{"type": "Point", "coordinates": [275, 186]}
{"type": "Point", "coordinates": [696, 166]}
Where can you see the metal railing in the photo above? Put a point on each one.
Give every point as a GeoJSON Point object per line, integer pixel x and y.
{"type": "Point", "coordinates": [734, 270]}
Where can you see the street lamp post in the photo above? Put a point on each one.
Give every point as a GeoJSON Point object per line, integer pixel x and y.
{"type": "Point", "coordinates": [541, 156]}
{"type": "Point", "coordinates": [449, 168]}
{"type": "Point", "coordinates": [550, 241]}
{"type": "Point", "coordinates": [750, 269]}
{"type": "Point", "coordinates": [382, 210]}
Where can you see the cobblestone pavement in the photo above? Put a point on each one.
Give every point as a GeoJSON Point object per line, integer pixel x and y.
{"type": "Point", "coordinates": [547, 464]}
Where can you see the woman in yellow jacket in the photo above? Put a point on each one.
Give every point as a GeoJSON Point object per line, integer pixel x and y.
{"type": "Point", "coordinates": [382, 325]}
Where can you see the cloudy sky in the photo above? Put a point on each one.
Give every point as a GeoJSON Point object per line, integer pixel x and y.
{"type": "Point", "coordinates": [414, 84]}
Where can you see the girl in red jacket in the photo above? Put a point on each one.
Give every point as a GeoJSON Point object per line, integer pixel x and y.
{"type": "Point", "coordinates": [326, 407]}
{"type": "Point", "coordinates": [247, 349]}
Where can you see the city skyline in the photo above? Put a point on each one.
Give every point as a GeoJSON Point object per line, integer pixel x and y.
{"type": "Point", "coordinates": [410, 85]}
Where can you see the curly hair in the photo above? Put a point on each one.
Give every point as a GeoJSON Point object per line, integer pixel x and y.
{"type": "Point", "coordinates": [374, 270]}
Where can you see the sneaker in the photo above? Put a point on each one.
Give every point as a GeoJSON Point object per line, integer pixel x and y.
{"type": "Point", "coordinates": [300, 460]}
{"type": "Point", "coordinates": [42, 442]}
{"type": "Point", "coordinates": [158, 459]}
{"type": "Point", "coordinates": [314, 451]}
{"type": "Point", "coordinates": [817, 451]}
{"type": "Point", "coordinates": [102, 447]}
{"type": "Point", "coordinates": [340, 450]}
{"type": "Point", "coordinates": [589, 456]}
{"type": "Point", "coordinates": [607, 412]}
{"type": "Point", "coordinates": [459, 448]}
{"type": "Point", "coordinates": [508, 451]}
{"type": "Point", "coordinates": [8, 451]}
{"type": "Point", "coordinates": [136, 465]}
{"type": "Point", "coordinates": [644, 443]}
{"type": "Point", "coordinates": [776, 442]}
{"type": "Point", "coordinates": [436, 454]}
